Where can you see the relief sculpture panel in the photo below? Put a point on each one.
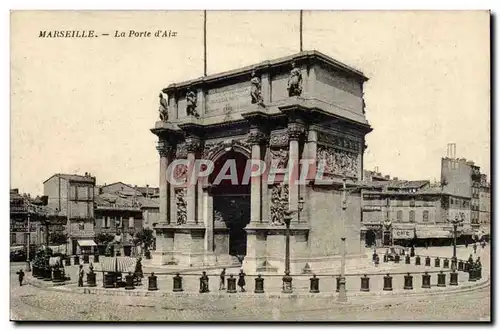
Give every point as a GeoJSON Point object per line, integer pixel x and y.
{"type": "Point", "coordinates": [337, 161]}
{"type": "Point", "coordinates": [181, 204]}
{"type": "Point", "coordinates": [279, 203]}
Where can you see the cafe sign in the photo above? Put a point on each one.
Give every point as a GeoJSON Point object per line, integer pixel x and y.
{"type": "Point", "coordinates": [402, 234]}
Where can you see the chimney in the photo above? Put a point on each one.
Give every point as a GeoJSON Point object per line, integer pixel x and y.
{"type": "Point", "coordinates": [147, 190]}
{"type": "Point", "coordinates": [387, 177]}
{"type": "Point", "coordinates": [395, 178]}
{"type": "Point", "coordinates": [376, 169]}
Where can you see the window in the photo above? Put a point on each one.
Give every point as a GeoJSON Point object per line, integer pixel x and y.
{"type": "Point", "coordinates": [412, 202]}
{"type": "Point", "coordinates": [412, 216]}
{"type": "Point", "coordinates": [131, 222]}
{"type": "Point", "coordinates": [425, 216]}
{"type": "Point", "coordinates": [81, 226]}
{"type": "Point", "coordinates": [399, 216]}
{"type": "Point", "coordinates": [105, 222]}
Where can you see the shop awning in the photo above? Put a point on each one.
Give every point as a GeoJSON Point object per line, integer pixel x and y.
{"type": "Point", "coordinates": [86, 243]}
{"type": "Point", "coordinates": [433, 233]}
{"type": "Point", "coordinates": [16, 248]}
{"type": "Point", "coordinates": [118, 264]}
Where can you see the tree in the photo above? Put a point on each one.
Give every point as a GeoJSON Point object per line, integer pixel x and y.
{"type": "Point", "coordinates": [145, 238]}
{"type": "Point", "coordinates": [58, 238]}
{"type": "Point", "coordinates": [104, 238]}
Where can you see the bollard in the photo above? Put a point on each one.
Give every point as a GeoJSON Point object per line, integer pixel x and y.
{"type": "Point", "coordinates": [96, 258]}
{"type": "Point", "coordinates": [460, 265]}
{"type": "Point", "coordinates": [57, 275]}
{"type": "Point", "coordinates": [408, 282]}
{"type": "Point", "coordinates": [259, 285]}
{"type": "Point", "coordinates": [67, 261]}
{"type": "Point", "coordinates": [129, 281]}
{"type": "Point", "coordinates": [407, 259]}
{"type": "Point", "coordinates": [314, 284]}
{"type": "Point", "coordinates": [204, 282]}
{"type": "Point", "coordinates": [427, 261]}
{"type": "Point", "coordinates": [287, 284]}
{"type": "Point", "coordinates": [338, 284]}
{"type": "Point", "coordinates": [472, 274]}
{"type": "Point", "coordinates": [76, 260]}
{"type": "Point", "coordinates": [86, 259]}
{"type": "Point", "coordinates": [446, 263]}
{"type": "Point", "coordinates": [231, 284]}
{"type": "Point", "coordinates": [437, 262]}
{"type": "Point", "coordinates": [47, 275]}
{"type": "Point", "coordinates": [365, 284]}
{"type": "Point", "coordinates": [108, 281]}
{"type": "Point", "coordinates": [177, 283]}
{"type": "Point", "coordinates": [412, 252]}
{"type": "Point", "coordinates": [454, 278]}
{"type": "Point", "coordinates": [441, 279]}
{"type": "Point", "coordinates": [152, 282]}
{"type": "Point", "coordinates": [91, 279]}
{"type": "Point", "coordinates": [417, 260]}
{"type": "Point", "coordinates": [396, 258]}
{"type": "Point", "coordinates": [426, 280]}
{"type": "Point", "coordinates": [387, 283]}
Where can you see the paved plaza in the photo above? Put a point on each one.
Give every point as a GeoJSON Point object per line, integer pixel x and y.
{"type": "Point", "coordinates": [32, 303]}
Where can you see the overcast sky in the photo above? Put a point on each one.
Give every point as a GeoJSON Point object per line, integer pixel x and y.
{"type": "Point", "coordinates": [86, 105]}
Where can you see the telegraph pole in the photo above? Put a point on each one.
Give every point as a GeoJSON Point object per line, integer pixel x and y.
{"type": "Point", "coordinates": [300, 29]}
{"type": "Point", "coordinates": [204, 43]}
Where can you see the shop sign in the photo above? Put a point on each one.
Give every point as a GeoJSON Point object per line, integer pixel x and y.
{"type": "Point", "coordinates": [372, 208]}
{"type": "Point", "coordinates": [403, 234]}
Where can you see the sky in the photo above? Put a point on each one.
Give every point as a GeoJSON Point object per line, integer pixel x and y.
{"type": "Point", "coordinates": [86, 105]}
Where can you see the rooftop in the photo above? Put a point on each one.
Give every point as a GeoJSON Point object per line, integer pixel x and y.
{"type": "Point", "coordinates": [305, 55]}
{"type": "Point", "coordinates": [87, 178]}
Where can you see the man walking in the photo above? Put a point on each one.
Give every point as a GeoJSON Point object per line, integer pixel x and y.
{"type": "Point", "coordinates": [222, 280]}
{"type": "Point", "coordinates": [81, 273]}
{"type": "Point", "coordinates": [474, 247]}
{"type": "Point", "coordinates": [21, 276]}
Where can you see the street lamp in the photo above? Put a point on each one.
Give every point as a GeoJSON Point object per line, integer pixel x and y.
{"type": "Point", "coordinates": [455, 222]}
{"type": "Point", "coordinates": [287, 279]}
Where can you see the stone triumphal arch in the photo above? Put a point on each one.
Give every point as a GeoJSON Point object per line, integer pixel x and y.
{"type": "Point", "coordinates": [307, 106]}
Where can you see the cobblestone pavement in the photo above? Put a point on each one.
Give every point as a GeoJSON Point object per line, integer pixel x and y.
{"type": "Point", "coordinates": [31, 303]}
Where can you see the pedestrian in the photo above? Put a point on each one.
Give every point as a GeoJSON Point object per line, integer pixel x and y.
{"type": "Point", "coordinates": [426, 245]}
{"type": "Point", "coordinates": [204, 283]}
{"type": "Point", "coordinates": [483, 244]}
{"type": "Point", "coordinates": [241, 281]}
{"type": "Point", "coordinates": [466, 244]}
{"type": "Point", "coordinates": [21, 276]}
{"type": "Point", "coordinates": [81, 273]}
{"type": "Point", "coordinates": [474, 247]}
{"type": "Point", "coordinates": [222, 280]}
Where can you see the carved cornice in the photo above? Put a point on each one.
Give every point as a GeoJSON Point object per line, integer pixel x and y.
{"type": "Point", "coordinates": [339, 141]}
{"type": "Point", "coordinates": [295, 130]}
{"type": "Point", "coordinates": [163, 148]}
{"type": "Point", "coordinates": [278, 139]}
{"type": "Point", "coordinates": [256, 137]}
{"type": "Point", "coordinates": [192, 144]}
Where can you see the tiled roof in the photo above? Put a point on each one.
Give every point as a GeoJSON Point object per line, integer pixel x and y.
{"type": "Point", "coordinates": [75, 178]}
{"type": "Point", "coordinates": [149, 203]}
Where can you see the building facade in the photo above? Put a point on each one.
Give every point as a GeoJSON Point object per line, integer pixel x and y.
{"type": "Point", "coordinates": [305, 106]}
{"type": "Point", "coordinates": [73, 197]}
{"type": "Point", "coordinates": [412, 212]}
{"type": "Point", "coordinates": [485, 205]}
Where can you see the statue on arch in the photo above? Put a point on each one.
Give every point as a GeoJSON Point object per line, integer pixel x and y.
{"type": "Point", "coordinates": [191, 100]}
{"type": "Point", "coordinates": [256, 91]}
{"type": "Point", "coordinates": [163, 110]}
{"type": "Point", "coordinates": [294, 82]}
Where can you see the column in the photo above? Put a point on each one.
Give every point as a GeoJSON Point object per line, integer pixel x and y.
{"type": "Point", "coordinates": [295, 131]}
{"type": "Point", "coordinates": [164, 151]}
{"type": "Point", "coordinates": [192, 145]}
{"type": "Point", "coordinates": [255, 138]}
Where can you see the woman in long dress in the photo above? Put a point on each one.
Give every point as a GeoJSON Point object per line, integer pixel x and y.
{"type": "Point", "coordinates": [241, 280]}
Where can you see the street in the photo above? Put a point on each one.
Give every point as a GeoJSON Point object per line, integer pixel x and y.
{"type": "Point", "coordinates": [31, 303]}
